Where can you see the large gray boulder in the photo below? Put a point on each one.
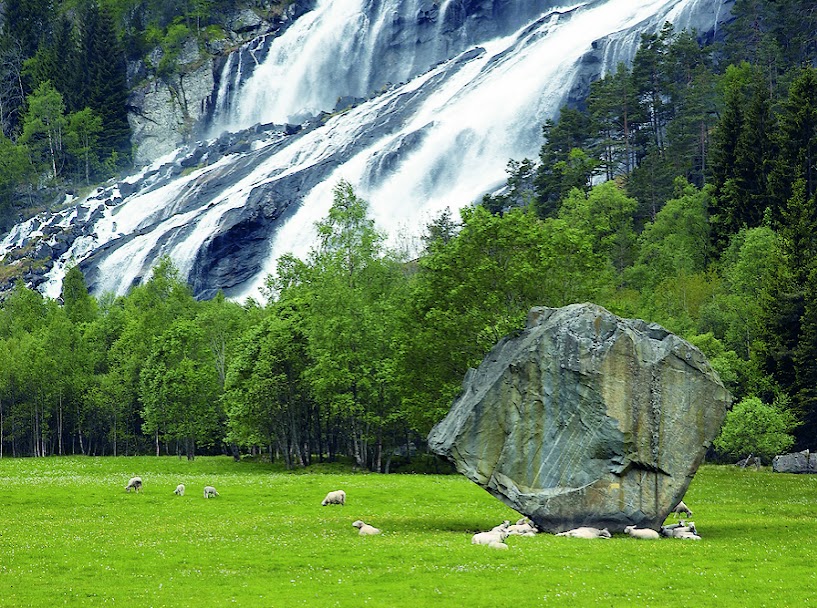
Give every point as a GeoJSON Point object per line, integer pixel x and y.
{"type": "Point", "coordinates": [585, 419]}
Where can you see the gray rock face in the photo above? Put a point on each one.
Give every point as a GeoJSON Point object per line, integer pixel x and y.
{"type": "Point", "coordinates": [585, 419]}
{"type": "Point", "coordinates": [165, 113]}
{"type": "Point", "coordinates": [799, 462]}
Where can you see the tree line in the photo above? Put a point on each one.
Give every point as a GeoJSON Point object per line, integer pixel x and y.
{"type": "Point", "coordinates": [356, 352]}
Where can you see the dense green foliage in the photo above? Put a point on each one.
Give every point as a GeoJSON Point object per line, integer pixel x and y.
{"type": "Point", "coordinates": [72, 536]}
{"type": "Point", "coordinates": [683, 192]}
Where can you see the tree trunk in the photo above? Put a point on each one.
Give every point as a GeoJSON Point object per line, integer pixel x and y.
{"type": "Point", "coordinates": [59, 426]}
{"type": "Point", "coordinates": [379, 451]}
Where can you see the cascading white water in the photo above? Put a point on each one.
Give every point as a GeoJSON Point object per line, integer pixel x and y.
{"type": "Point", "coordinates": [490, 112]}
{"type": "Point", "coordinates": [440, 140]}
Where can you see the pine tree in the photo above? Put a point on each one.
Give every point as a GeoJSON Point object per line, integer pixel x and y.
{"type": "Point", "coordinates": [725, 154]}
{"type": "Point", "coordinates": [797, 139]}
{"type": "Point", "coordinates": [785, 301]}
{"type": "Point", "coordinates": [613, 106]}
{"type": "Point", "coordinates": [805, 361]}
{"type": "Point", "coordinates": [104, 88]}
{"type": "Point", "coordinates": [571, 132]}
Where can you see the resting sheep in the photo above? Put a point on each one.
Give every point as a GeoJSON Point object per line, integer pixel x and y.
{"type": "Point", "coordinates": [501, 527]}
{"type": "Point", "coordinates": [642, 533]}
{"type": "Point", "coordinates": [681, 530]}
{"type": "Point", "coordinates": [135, 484]}
{"type": "Point", "coordinates": [338, 497]}
{"type": "Point", "coordinates": [522, 529]}
{"type": "Point", "coordinates": [365, 529]}
{"type": "Point", "coordinates": [486, 538]}
{"type": "Point", "coordinates": [681, 508]}
{"type": "Point", "coordinates": [179, 491]}
{"type": "Point", "coordinates": [586, 532]}
{"type": "Point", "coordinates": [494, 544]}
{"type": "Point", "coordinates": [210, 491]}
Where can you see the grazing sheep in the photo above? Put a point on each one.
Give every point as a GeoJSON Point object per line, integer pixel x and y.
{"type": "Point", "coordinates": [338, 497]}
{"type": "Point", "coordinates": [210, 491]}
{"type": "Point", "coordinates": [134, 484]}
{"type": "Point", "coordinates": [642, 533]}
{"type": "Point", "coordinates": [365, 529]}
{"type": "Point", "coordinates": [486, 538]}
{"type": "Point", "coordinates": [681, 508]}
{"type": "Point", "coordinates": [586, 532]}
{"type": "Point", "coordinates": [179, 491]}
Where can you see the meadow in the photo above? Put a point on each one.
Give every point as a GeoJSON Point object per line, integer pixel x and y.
{"type": "Point", "coordinates": [70, 535]}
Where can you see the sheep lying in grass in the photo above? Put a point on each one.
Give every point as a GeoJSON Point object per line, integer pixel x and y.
{"type": "Point", "coordinates": [501, 527]}
{"type": "Point", "coordinates": [642, 533]}
{"type": "Point", "coordinates": [338, 497]}
{"type": "Point", "coordinates": [685, 530]}
{"type": "Point", "coordinates": [179, 491]}
{"type": "Point", "coordinates": [210, 491]}
{"type": "Point", "coordinates": [586, 532]}
{"type": "Point", "coordinates": [686, 535]}
{"type": "Point", "coordinates": [135, 484]}
{"type": "Point", "coordinates": [681, 508]}
{"type": "Point", "coordinates": [491, 536]}
{"type": "Point", "coordinates": [522, 528]}
{"type": "Point", "coordinates": [365, 529]}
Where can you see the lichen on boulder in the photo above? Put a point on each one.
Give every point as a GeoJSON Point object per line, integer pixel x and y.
{"type": "Point", "coordinates": [585, 419]}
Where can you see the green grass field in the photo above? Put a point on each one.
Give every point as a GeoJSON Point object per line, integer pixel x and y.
{"type": "Point", "coordinates": [71, 535]}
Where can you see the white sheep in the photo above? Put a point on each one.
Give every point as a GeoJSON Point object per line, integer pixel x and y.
{"type": "Point", "coordinates": [338, 497]}
{"type": "Point", "coordinates": [686, 536]}
{"type": "Point", "coordinates": [179, 491]}
{"type": "Point", "coordinates": [681, 530]}
{"type": "Point", "coordinates": [495, 544]}
{"type": "Point", "coordinates": [135, 484]}
{"type": "Point", "coordinates": [501, 527]}
{"type": "Point", "coordinates": [523, 529]}
{"type": "Point", "coordinates": [642, 533]}
{"type": "Point", "coordinates": [486, 538]}
{"type": "Point", "coordinates": [365, 529]}
{"type": "Point", "coordinates": [586, 532]}
{"type": "Point", "coordinates": [681, 508]}
{"type": "Point", "coordinates": [210, 491]}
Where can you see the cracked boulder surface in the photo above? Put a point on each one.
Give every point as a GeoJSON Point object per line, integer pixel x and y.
{"type": "Point", "coordinates": [585, 419]}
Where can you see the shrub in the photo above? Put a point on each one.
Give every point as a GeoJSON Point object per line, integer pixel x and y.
{"type": "Point", "coordinates": [754, 427]}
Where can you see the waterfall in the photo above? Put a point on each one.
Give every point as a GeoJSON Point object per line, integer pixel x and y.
{"type": "Point", "coordinates": [468, 92]}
